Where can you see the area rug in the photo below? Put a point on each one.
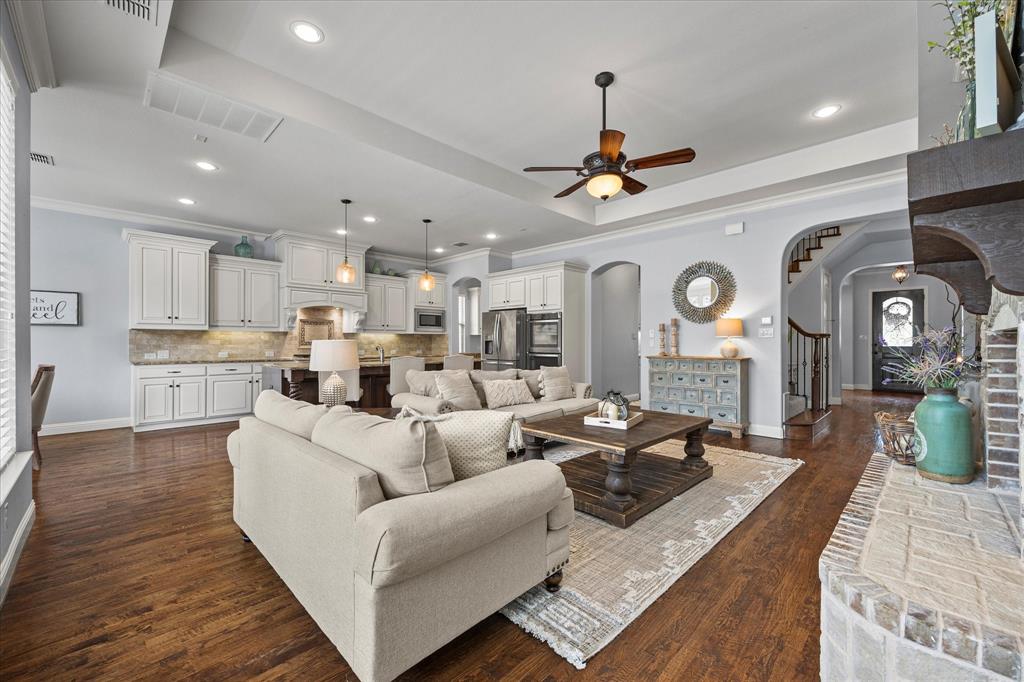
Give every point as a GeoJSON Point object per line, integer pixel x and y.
{"type": "Point", "coordinates": [616, 573]}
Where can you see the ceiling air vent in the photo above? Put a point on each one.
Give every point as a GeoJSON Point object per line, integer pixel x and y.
{"type": "Point", "coordinates": [188, 100]}
{"type": "Point", "coordinates": [44, 159]}
{"type": "Point", "coordinates": [460, 244]}
{"type": "Point", "coordinates": [143, 9]}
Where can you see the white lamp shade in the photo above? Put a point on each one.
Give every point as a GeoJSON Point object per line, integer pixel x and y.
{"type": "Point", "coordinates": [331, 355]}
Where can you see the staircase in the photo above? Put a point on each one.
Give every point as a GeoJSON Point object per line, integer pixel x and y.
{"type": "Point", "coordinates": [808, 414]}
{"type": "Point", "coordinates": [803, 250]}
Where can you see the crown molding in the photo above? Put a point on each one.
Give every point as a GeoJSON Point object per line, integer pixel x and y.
{"type": "Point", "coordinates": [139, 218]}
{"type": "Point", "coordinates": [441, 260]}
{"type": "Point", "coordinates": [29, 24]}
{"type": "Point", "coordinates": [894, 177]}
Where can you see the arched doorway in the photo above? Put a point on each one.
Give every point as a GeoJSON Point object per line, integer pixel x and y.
{"type": "Point", "coordinates": [615, 329]}
{"type": "Point", "coordinates": [464, 329]}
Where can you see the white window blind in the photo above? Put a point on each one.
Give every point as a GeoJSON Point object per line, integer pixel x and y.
{"type": "Point", "coordinates": [8, 437]}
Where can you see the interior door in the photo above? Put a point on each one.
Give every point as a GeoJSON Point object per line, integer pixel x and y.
{"type": "Point", "coordinates": [896, 317]}
{"type": "Point", "coordinates": [190, 278]}
{"type": "Point", "coordinates": [155, 304]}
{"type": "Point", "coordinates": [227, 299]}
{"type": "Point", "coordinates": [261, 292]}
{"type": "Point", "coordinates": [190, 398]}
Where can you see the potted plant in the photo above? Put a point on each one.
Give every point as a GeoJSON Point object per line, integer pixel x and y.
{"type": "Point", "coordinates": [942, 424]}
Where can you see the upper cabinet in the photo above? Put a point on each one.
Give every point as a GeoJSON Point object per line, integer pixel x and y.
{"type": "Point", "coordinates": [538, 288]}
{"type": "Point", "coordinates": [168, 281]}
{"type": "Point", "coordinates": [507, 291]}
{"type": "Point", "coordinates": [386, 304]}
{"type": "Point", "coordinates": [435, 298]}
{"type": "Point", "coordinates": [544, 291]}
{"type": "Point", "coordinates": [311, 262]}
{"type": "Point", "coordinates": [244, 293]}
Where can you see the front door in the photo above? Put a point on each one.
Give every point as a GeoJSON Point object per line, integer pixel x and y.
{"type": "Point", "coordinates": [896, 317]}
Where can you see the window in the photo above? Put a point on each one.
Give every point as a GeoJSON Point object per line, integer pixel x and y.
{"type": "Point", "coordinates": [898, 321]}
{"type": "Point", "coordinates": [8, 424]}
{"type": "Point", "coordinates": [462, 323]}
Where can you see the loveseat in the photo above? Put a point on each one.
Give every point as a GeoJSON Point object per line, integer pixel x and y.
{"type": "Point", "coordinates": [389, 581]}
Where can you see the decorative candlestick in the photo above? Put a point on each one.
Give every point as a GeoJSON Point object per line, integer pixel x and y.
{"type": "Point", "coordinates": [661, 339]}
{"type": "Point", "coordinates": [675, 336]}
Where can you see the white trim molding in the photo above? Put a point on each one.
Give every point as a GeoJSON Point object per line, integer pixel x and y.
{"type": "Point", "coordinates": [81, 427]}
{"type": "Point", "coordinates": [14, 551]}
{"type": "Point", "coordinates": [765, 430]}
{"type": "Point", "coordinates": [29, 24]}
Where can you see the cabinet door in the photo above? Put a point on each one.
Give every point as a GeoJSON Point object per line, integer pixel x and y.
{"type": "Point", "coordinates": [423, 298]}
{"type": "Point", "coordinates": [552, 291]}
{"type": "Point", "coordinates": [354, 259]}
{"type": "Point", "coordinates": [394, 307]}
{"type": "Point", "coordinates": [227, 300]}
{"type": "Point", "coordinates": [498, 294]}
{"type": "Point", "coordinates": [190, 398]}
{"type": "Point", "coordinates": [307, 265]}
{"type": "Point", "coordinates": [535, 292]}
{"type": "Point", "coordinates": [228, 395]}
{"type": "Point", "coordinates": [190, 281]}
{"type": "Point", "coordinates": [152, 274]}
{"type": "Point", "coordinates": [257, 387]}
{"type": "Point", "coordinates": [437, 293]}
{"type": "Point", "coordinates": [376, 313]}
{"type": "Point", "coordinates": [262, 310]}
{"type": "Point", "coordinates": [154, 401]}
{"type": "Point", "coordinates": [517, 292]}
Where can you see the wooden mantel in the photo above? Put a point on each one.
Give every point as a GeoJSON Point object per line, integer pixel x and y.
{"type": "Point", "coordinates": [966, 205]}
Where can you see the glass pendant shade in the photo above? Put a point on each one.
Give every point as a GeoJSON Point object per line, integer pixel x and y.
{"type": "Point", "coordinates": [604, 185]}
{"type": "Point", "coordinates": [346, 273]}
{"type": "Point", "coordinates": [426, 281]}
{"type": "Point", "coordinates": [900, 274]}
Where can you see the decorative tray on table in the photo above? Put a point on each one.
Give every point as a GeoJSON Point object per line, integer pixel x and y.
{"type": "Point", "coordinates": [596, 419]}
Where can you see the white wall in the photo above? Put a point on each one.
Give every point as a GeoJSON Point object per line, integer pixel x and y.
{"type": "Point", "coordinates": [615, 317]}
{"type": "Point", "coordinates": [805, 300]}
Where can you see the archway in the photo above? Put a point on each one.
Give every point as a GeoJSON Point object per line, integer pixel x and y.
{"type": "Point", "coordinates": [615, 328]}
{"type": "Point", "coordinates": [464, 328]}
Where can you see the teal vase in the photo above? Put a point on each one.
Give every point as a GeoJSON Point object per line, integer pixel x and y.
{"type": "Point", "coordinates": [243, 249]}
{"type": "Point", "coordinates": [942, 429]}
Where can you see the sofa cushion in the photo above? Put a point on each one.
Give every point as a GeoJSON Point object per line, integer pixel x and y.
{"type": "Point", "coordinates": [458, 390]}
{"type": "Point", "coordinates": [425, 382]}
{"type": "Point", "coordinates": [532, 379]}
{"type": "Point", "coordinates": [294, 416]}
{"type": "Point", "coordinates": [477, 441]}
{"type": "Point", "coordinates": [504, 392]}
{"type": "Point", "coordinates": [408, 455]}
{"type": "Point", "coordinates": [555, 384]}
{"type": "Point", "coordinates": [576, 405]}
{"type": "Point", "coordinates": [479, 376]}
{"type": "Point", "coordinates": [533, 412]}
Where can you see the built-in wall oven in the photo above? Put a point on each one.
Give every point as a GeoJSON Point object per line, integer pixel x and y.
{"type": "Point", "coordinates": [544, 340]}
{"type": "Point", "coordinates": [428, 321]}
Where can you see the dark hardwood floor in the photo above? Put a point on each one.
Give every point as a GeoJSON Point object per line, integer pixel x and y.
{"type": "Point", "coordinates": [135, 570]}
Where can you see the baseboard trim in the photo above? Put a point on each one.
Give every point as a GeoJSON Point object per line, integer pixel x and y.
{"type": "Point", "coordinates": [835, 401]}
{"type": "Point", "coordinates": [856, 387]}
{"type": "Point", "coordinates": [79, 427]}
{"type": "Point", "coordinates": [10, 561]}
{"type": "Point", "coordinates": [766, 431]}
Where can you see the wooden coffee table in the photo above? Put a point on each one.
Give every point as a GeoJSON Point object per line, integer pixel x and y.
{"type": "Point", "coordinates": [619, 482]}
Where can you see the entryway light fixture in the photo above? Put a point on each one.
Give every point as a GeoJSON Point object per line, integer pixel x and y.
{"type": "Point", "coordinates": [426, 279]}
{"type": "Point", "coordinates": [346, 272]}
{"type": "Point", "coordinates": [900, 274]}
{"type": "Point", "coordinates": [604, 185]}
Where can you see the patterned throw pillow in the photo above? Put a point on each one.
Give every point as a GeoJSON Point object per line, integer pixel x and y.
{"type": "Point", "coordinates": [532, 379]}
{"type": "Point", "coordinates": [505, 392]}
{"type": "Point", "coordinates": [555, 384]}
{"type": "Point", "coordinates": [424, 382]}
{"type": "Point", "coordinates": [477, 441]}
{"type": "Point", "coordinates": [458, 390]}
{"type": "Point", "coordinates": [479, 376]}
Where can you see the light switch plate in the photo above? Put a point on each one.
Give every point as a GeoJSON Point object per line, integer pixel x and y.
{"type": "Point", "coordinates": [163, 354]}
{"type": "Point", "coordinates": [766, 332]}
{"type": "Point", "coordinates": [766, 320]}
{"type": "Point", "coordinates": [268, 353]}
{"type": "Point", "coordinates": [149, 356]}
{"type": "Point", "coordinates": [222, 354]}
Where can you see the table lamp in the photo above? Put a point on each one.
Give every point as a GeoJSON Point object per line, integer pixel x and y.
{"type": "Point", "coordinates": [333, 355]}
{"type": "Point", "coordinates": [727, 328]}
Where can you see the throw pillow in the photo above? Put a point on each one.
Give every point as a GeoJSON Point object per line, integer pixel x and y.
{"type": "Point", "coordinates": [505, 392]}
{"type": "Point", "coordinates": [479, 376]}
{"type": "Point", "coordinates": [477, 441]}
{"type": "Point", "coordinates": [555, 384]}
{"type": "Point", "coordinates": [294, 416]}
{"type": "Point", "coordinates": [532, 379]}
{"type": "Point", "coordinates": [424, 382]}
{"type": "Point", "coordinates": [458, 390]}
{"type": "Point", "coordinates": [408, 455]}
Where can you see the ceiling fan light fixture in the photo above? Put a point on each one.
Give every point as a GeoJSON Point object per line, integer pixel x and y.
{"type": "Point", "coordinates": [604, 185]}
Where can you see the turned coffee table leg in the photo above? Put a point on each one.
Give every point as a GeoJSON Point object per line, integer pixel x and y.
{"type": "Point", "coordinates": [694, 450]}
{"type": "Point", "coordinates": [618, 486]}
{"type": "Point", "coordinates": [534, 447]}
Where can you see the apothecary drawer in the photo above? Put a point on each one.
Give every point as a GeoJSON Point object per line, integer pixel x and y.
{"type": "Point", "coordinates": [691, 410]}
{"type": "Point", "coordinates": [678, 394]}
{"type": "Point", "coordinates": [663, 407]}
{"type": "Point", "coordinates": [730, 367]}
{"type": "Point", "coordinates": [709, 396]}
{"type": "Point", "coordinates": [699, 365]}
{"type": "Point", "coordinates": [714, 366]}
{"type": "Point", "coordinates": [692, 395]}
{"type": "Point", "coordinates": [659, 393]}
{"type": "Point", "coordinates": [681, 379]}
{"type": "Point", "coordinates": [727, 397]}
{"type": "Point", "coordinates": [722, 414]}
{"type": "Point", "coordinates": [661, 378]}
{"type": "Point", "coordinates": [726, 381]}
{"type": "Point", "coordinates": [703, 380]}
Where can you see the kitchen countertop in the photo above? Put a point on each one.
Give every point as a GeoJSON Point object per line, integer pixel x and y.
{"type": "Point", "coordinates": [285, 363]}
{"type": "Point", "coordinates": [220, 361]}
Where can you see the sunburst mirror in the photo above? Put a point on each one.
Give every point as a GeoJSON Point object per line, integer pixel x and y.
{"type": "Point", "coordinates": [704, 292]}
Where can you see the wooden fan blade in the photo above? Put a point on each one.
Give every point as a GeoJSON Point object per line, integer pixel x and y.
{"type": "Point", "coordinates": [632, 185]}
{"type": "Point", "coordinates": [569, 190]}
{"type": "Point", "coordinates": [664, 159]}
{"type": "Point", "coordinates": [540, 169]}
{"type": "Point", "coordinates": [611, 143]}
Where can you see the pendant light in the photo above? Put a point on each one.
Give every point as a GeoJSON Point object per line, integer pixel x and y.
{"type": "Point", "coordinates": [346, 272]}
{"type": "Point", "coordinates": [900, 274]}
{"type": "Point", "coordinates": [426, 279]}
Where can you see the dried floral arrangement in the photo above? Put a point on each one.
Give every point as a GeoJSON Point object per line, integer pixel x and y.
{"type": "Point", "coordinates": [938, 364]}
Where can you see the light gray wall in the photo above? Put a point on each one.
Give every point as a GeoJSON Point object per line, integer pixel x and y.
{"type": "Point", "coordinates": [805, 301]}
{"type": "Point", "coordinates": [615, 317]}
{"type": "Point", "coordinates": [939, 95]}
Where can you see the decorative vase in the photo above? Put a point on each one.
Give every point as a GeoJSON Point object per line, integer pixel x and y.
{"type": "Point", "coordinates": [243, 249]}
{"type": "Point", "coordinates": [376, 268]}
{"type": "Point", "coordinates": [942, 429]}
{"type": "Point", "coordinates": [967, 119]}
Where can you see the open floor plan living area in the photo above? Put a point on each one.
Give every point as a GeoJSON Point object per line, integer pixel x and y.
{"type": "Point", "coordinates": [383, 340]}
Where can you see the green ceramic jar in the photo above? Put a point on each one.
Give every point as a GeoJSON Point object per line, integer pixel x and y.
{"type": "Point", "coordinates": [942, 428]}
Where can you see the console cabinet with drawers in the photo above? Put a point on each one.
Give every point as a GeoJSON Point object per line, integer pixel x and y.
{"type": "Point", "coordinates": [702, 386]}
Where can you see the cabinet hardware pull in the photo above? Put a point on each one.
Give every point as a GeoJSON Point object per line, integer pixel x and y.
{"type": "Point", "coordinates": [171, 385]}
{"type": "Point", "coordinates": [174, 371]}
{"type": "Point", "coordinates": [168, 317]}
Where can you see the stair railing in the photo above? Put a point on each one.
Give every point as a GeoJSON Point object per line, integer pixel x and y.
{"type": "Point", "coordinates": [810, 355]}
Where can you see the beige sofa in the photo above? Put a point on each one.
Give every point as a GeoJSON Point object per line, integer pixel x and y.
{"type": "Point", "coordinates": [581, 403]}
{"type": "Point", "coordinates": [389, 581]}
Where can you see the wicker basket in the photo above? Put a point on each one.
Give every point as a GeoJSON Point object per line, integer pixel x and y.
{"type": "Point", "coordinates": [897, 434]}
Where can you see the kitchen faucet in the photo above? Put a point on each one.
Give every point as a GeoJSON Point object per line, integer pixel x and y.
{"type": "Point", "coordinates": [380, 353]}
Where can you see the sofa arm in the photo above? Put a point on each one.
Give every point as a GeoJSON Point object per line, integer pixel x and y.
{"type": "Point", "coordinates": [423, 404]}
{"type": "Point", "coordinates": [233, 447]}
{"type": "Point", "coordinates": [583, 390]}
{"type": "Point", "coordinates": [403, 537]}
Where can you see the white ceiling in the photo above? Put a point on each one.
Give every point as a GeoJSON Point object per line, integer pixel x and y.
{"type": "Point", "coordinates": [432, 109]}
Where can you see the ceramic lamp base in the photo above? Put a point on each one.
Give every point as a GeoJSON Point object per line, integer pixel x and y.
{"type": "Point", "coordinates": [729, 349]}
{"type": "Point", "coordinates": [334, 391]}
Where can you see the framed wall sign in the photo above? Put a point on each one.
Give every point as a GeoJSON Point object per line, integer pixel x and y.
{"type": "Point", "coordinates": [55, 307]}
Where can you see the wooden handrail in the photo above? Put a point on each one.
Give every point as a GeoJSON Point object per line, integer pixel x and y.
{"type": "Point", "coordinates": [804, 332]}
{"type": "Point", "coordinates": [818, 359]}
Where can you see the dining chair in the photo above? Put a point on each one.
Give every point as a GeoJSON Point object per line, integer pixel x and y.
{"type": "Point", "coordinates": [399, 366]}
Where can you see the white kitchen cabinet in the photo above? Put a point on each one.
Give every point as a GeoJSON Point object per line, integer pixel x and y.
{"type": "Point", "coordinates": [428, 299]}
{"type": "Point", "coordinates": [307, 264]}
{"type": "Point", "coordinates": [190, 398]}
{"type": "Point", "coordinates": [395, 307]}
{"type": "Point", "coordinates": [227, 296]}
{"type": "Point", "coordinates": [375, 306]}
{"type": "Point", "coordinates": [168, 285]}
{"type": "Point", "coordinates": [257, 384]}
{"type": "Point", "coordinates": [228, 395]}
{"type": "Point", "coordinates": [154, 401]}
{"type": "Point", "coordinates": [170, 396]}
{"type": "Point", "coordinates": [544, 291]}
{"type": "Point", "coordinates": [507, 292]}
{"type": "Point", "coordinates": [311, 262]}
{"type": "Point", "coordinates": [386, 304]}
{"type": "Point", "coordinates": [336, 258]}
{"type": "Point", "coordinates": [244, 293]}
{"type": "Point", "coordinates": [263, 311]}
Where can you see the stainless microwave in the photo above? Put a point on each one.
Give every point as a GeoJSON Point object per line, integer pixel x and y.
{"type": "Point", "coordinates": [428, 320]}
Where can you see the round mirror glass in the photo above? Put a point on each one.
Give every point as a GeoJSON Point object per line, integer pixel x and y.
{"type": "Point", "coordinates": [702, 292]}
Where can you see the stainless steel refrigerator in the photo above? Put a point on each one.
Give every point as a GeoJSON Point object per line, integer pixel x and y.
{"type": "Point", "coordinates": [504, 345]}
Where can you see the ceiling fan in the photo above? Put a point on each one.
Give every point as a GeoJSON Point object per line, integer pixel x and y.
{"type": "Point", "coordinates": [606, 171]}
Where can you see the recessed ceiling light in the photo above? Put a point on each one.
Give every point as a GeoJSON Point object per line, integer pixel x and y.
{"type": "Point", "coordinates": [186, 201]}
{"type": "Point", "coordinates": [491, 235]}
{"type": "Point", "coordinates": [205, 165]}
{"type": "Point", "coordinates": [307, 32]}
{"type": "Point", "coordinates": [438, 250]}
{"type": "Point", "coordinates": [369, 219]}
{"type": "Point", "coordinates": [826, 111]}
{"type": "Point", "coordinates": [342, 231]}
